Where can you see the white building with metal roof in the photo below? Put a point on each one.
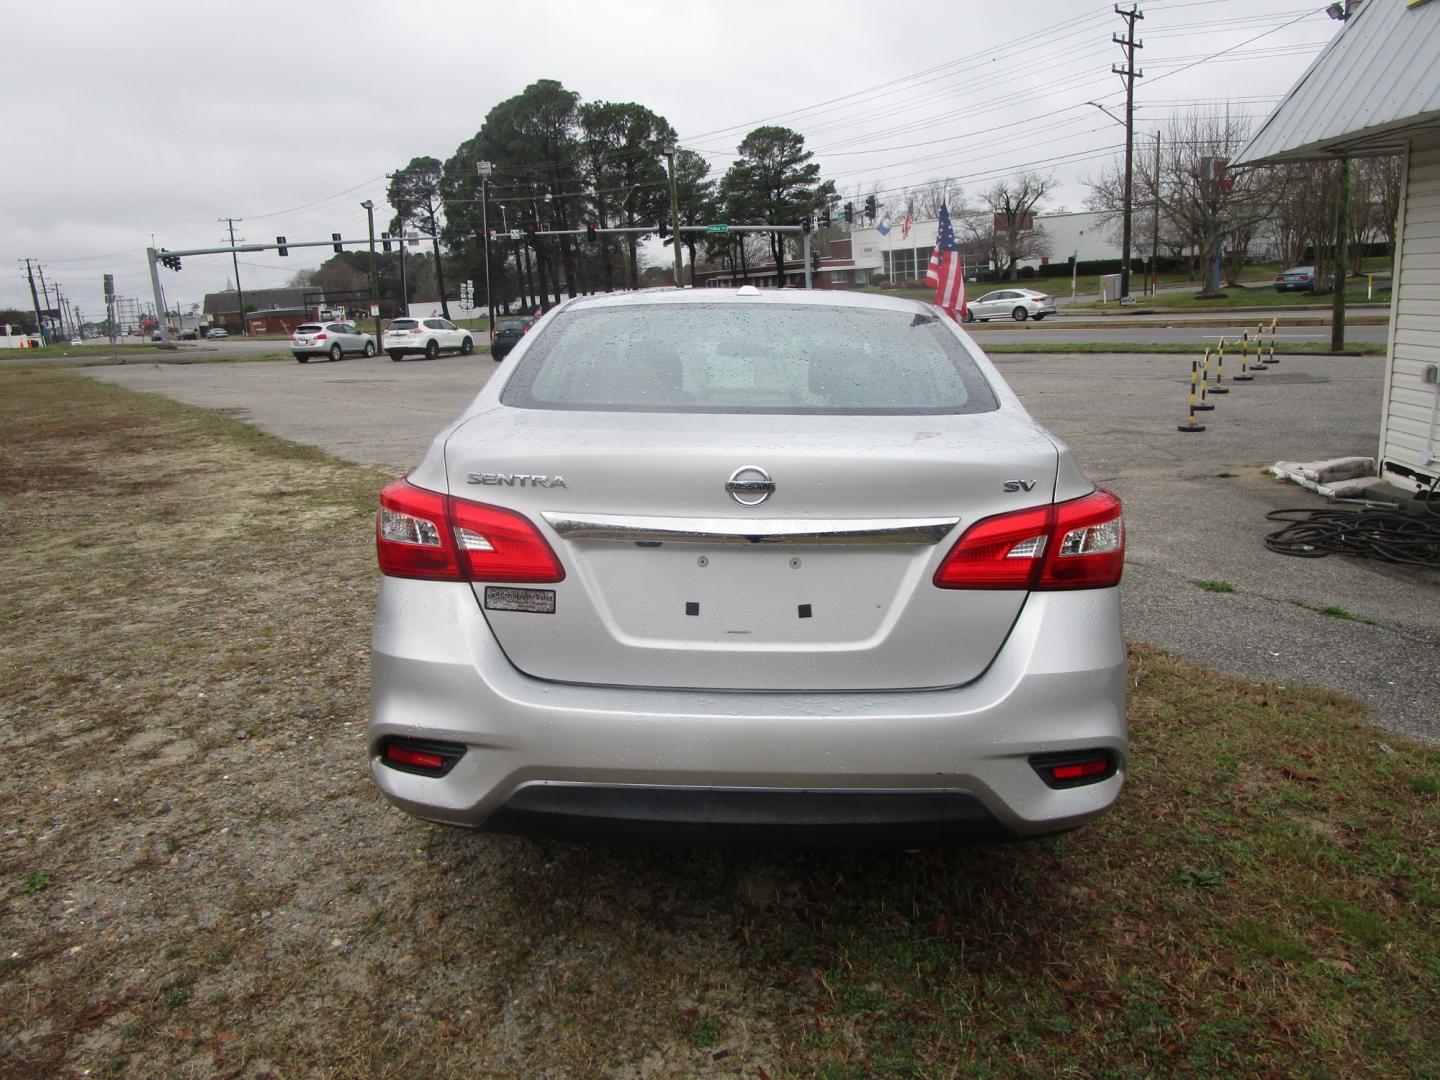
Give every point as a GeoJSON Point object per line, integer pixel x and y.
{"type": "Point", "coordinates": [1376, 90]}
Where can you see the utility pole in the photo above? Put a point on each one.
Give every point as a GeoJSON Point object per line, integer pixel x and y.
{"type": "Point", "coordinates": [374, 281]}
{"type": "Point", "coordinates": [35, 299]}
{"type": "Point", "coordinates": [669, 151]}
{"type": "Point", "coordinates": [1342, 258]}
{"type": "Point", "coordinates": [1155, 225]}
{"type": "Point", "coordinates": [239, 293]}
{"type": "Point", "coordinates": [486, 169]}
{"type": "Point", "coordinates": [1129, 74]}
{"type": "Point", "coordinates": [44, 290]}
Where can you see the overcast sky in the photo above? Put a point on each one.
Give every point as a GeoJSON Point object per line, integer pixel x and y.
{"type": "Point", "coordinates": [159, 117]}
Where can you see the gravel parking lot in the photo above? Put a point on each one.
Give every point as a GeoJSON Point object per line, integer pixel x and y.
{"type": "Point", "coordinates": [1195, 503]}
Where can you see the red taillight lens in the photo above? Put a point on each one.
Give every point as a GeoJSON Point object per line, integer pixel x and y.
{"type": "Point", "coordinates": [1079, 544]}
{"type": "Point", "coordinates": [319, 337]}
{"type": "Point", "coordinates": [423, 534]}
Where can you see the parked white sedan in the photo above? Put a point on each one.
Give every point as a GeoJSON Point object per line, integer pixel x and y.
{"type": "Point", "coordinates": [429, 336]}
{"type": "Point", "coordinates": [1017, 304]}
{"type": "Point", "coordinates": [332, 339]}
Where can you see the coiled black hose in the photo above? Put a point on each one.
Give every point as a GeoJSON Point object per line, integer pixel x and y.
{"type": "Point", "coordinates": [1391, 536]}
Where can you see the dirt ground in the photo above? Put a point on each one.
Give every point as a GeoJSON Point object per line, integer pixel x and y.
{"type": "Point", "coordinates": [200, 880]}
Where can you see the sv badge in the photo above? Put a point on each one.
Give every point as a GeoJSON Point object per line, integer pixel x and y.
{"type": "Point", "coordinates": [1018, 485]}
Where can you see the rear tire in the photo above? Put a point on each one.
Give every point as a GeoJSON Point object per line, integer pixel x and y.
{"type": "Point", "coordinates": [969, 316]}
{"type": "Point", "coordinates": [396, 354]}
{"type": "Point", "coordinates": [336, 352]}
{"type": "Point", "coordinates": [1039, 315]}
{"type": "Point", "coordinates": [302, 359]}
{"type": "Point", "coordinates": [432, 349]}
{"type": "Point", "coordinates": [1019, 314]}
{"type": "Point", "coordinates": [467, 347]}
{"type": "Point", "coordinates": [369, 349]}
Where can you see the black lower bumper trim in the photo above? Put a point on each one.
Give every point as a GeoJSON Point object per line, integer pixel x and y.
{"type": "Point", "coordinates": [746, 817]}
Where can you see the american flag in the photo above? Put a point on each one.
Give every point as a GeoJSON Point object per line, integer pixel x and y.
{"type": "Point", "coordinates": [909, 220]}
{"type": "Point", "coordinates": [947, 269]}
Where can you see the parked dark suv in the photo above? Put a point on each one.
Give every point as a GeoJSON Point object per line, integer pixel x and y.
{"type": "Point", "coordinates": [508, 332]}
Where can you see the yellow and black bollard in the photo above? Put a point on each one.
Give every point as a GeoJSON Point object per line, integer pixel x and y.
{"type": "Point", "coordinates": [1244, 375]}
{"type": "Point", "coordinates": [1204, 406]}
{"type": "Point", "coordinates": [1271, 358]}
{"type": "Point", "coordinates": [1194, 378]}
{"type": "Point", "coordinates": [1219, 387]}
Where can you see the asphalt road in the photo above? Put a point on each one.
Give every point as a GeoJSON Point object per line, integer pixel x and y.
{"type": "Point", "coordinates": [1187, 522]}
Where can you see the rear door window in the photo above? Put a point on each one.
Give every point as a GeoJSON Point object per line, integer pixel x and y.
{"type": "Point", "coordinates": [749, 358]}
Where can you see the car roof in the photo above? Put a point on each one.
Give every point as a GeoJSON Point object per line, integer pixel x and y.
{"type": "Point", "coordinates": [748, 295]}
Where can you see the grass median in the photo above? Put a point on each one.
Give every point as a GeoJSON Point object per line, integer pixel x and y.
{"type": "Point", "coordinates": [1303, 348]}
{"type": "Point", "coordinates": [199, 879]}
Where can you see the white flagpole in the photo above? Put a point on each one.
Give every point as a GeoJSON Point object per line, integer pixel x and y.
{"type": "Point", "coordinates": [891, 237]}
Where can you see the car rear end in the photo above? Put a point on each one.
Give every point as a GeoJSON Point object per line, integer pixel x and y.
{"type": "Point", "coordinates": [309, 339]}
{"type": "Point", "coordinates": [1040, 304]}
{"type": "Point", "coordinates": [754, 568]}
{"type": "Point", "coordinates": [403, 337]}
{"type": "Point", "coordinates": [507, 334]}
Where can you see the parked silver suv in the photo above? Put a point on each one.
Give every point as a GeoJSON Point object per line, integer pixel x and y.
{"type": "Point", "coordinates": [332, 339]}
{"type": "Point", "coordinates": [770, 567]}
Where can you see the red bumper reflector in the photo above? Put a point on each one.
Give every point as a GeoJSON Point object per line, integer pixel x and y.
{"type": "Point", "coordinates": [1084, 768]}
{"type": "Point", "coordinates": [414, 758]}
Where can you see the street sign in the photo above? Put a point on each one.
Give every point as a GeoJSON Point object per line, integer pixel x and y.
{"type": "Point", "coordinates": [515, 234]}
{"type": "Point", "coordinates": [717, 228]}
{"type": "Point", "coordinates": [374, 309]}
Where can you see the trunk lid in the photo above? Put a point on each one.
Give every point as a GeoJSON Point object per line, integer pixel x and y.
{"type": "Point", "coordinates": [826, 584]}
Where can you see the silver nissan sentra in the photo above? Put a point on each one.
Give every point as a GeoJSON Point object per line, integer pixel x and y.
{"type": "Point", "coordinates": [732, 566]}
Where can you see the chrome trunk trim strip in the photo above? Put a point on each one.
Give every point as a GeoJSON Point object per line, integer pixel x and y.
{"type": "Point", "coordinates": [676, 530]}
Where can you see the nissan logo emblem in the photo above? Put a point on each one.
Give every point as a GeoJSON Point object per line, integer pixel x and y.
{"type": "Point", "coordinates": [750, 485]}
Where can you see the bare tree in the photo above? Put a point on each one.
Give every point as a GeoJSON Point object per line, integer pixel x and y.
{"type": "Point", "coordinates": [1217, 209]}
{"type": "Point", "coordinates": [1012, 203]}
{"type": "Point", "coordinates": [927, 197]}
{"type": "Point", "coordinates": [1375, 199]}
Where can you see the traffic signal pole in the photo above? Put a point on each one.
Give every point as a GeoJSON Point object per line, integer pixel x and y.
{"type": "Point", "coordinates": [165, 342]}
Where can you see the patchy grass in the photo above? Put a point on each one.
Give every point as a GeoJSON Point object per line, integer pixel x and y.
{"type": "Point", "coordinates": [1215, 586]}
{"type": "Point", "coordinates": [1238, 297]}
{"type": "Point", "coordinates": [184, 625]}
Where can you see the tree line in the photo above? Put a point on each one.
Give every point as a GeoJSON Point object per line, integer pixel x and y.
{"type": "Point", "coordinates": [559, 163]}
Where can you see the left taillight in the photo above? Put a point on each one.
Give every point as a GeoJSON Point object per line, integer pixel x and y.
{"type": "Point", "coordinates": [424, 534]}
{"type": "Point", "coordinates": [1077, 544]}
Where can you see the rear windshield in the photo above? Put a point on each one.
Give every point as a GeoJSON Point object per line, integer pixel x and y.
{"type": "Point", "coordinates": [308, 328]}
{"type": "Point", "coordinates": [510, 324]}
{"type": "Point", "coordinates": [748, 358]}
{"type": "Point", "coordinates": [403, 324]}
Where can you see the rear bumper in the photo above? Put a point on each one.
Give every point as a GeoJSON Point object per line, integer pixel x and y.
{"type": "Point", "coordinates": [697, 766]}
{"type": "Point", "coordinates": [745, 817]}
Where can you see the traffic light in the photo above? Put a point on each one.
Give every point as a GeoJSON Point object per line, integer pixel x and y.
{"type": "Point", "coordinates": [384, 241]}
{"type": "Point", "coordinates": [849, 213]}
{"type": "Point", "coordinates": [664, 229]}
{"type": "Point", "coordinates": [280, 240]}
{"type": "Point", "coordinates": [337, 246]}
{"type": "Point", "coordinates": [805, 225]}
{"type": "Point", "coordinates": [825, 217]}
{"type": "Point", "coordinates": [590, 232]}
{"type": "Point", "coordinates": [170, 262]}
{"type": "Point", "coordinates": [870, 207]}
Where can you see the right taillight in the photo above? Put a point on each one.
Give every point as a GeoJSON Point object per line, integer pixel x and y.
{"type": "Point", "coordinates": [423, 534]}
{"type": "Point", "coordinates": [1079, 544]}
